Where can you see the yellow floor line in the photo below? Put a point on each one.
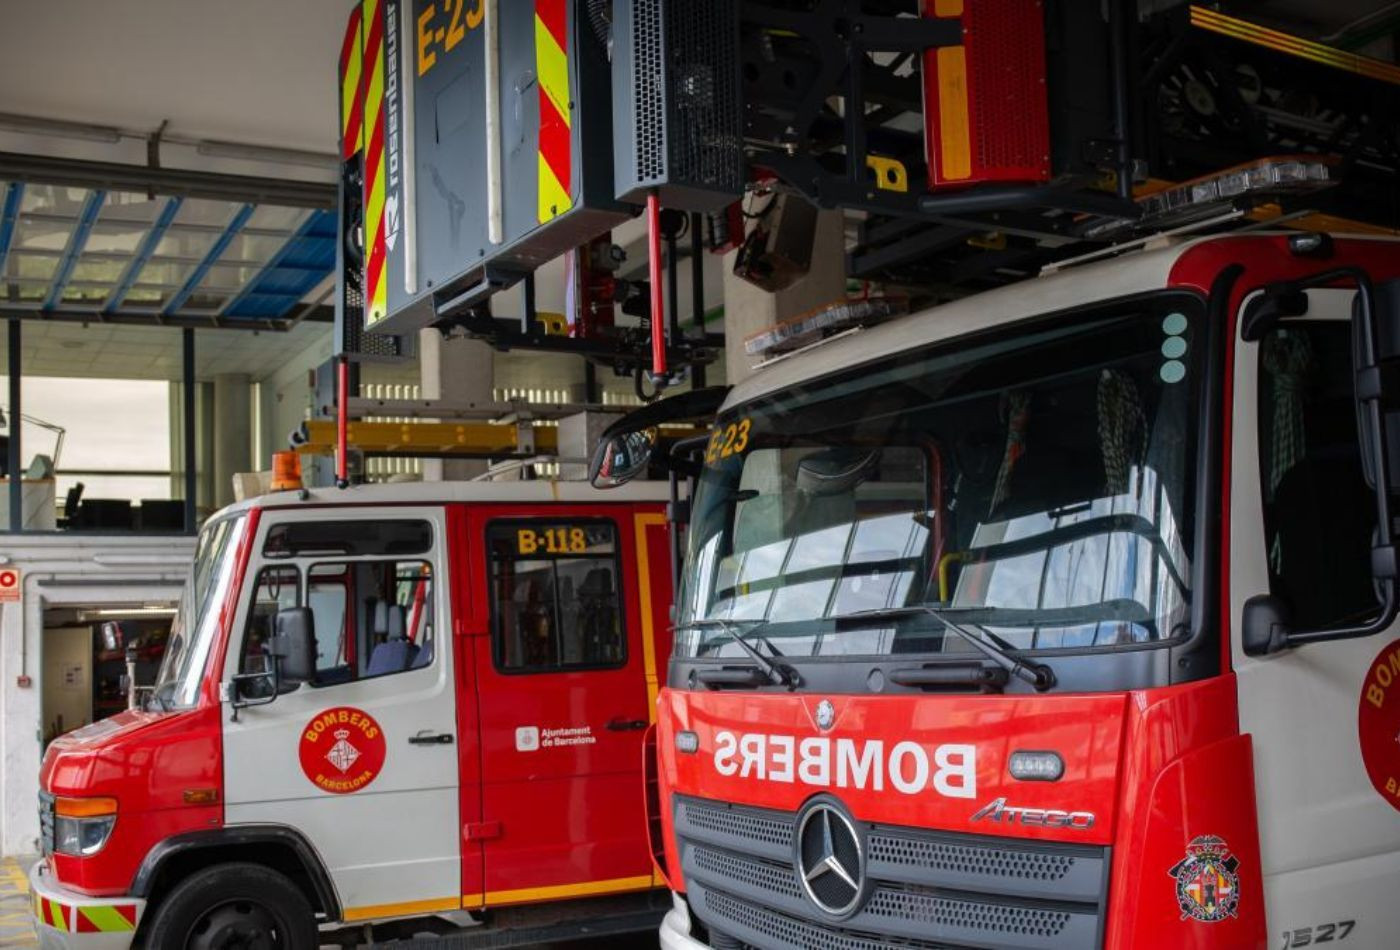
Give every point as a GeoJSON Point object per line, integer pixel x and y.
{"type": "Point", "coordinates": [16, 915]}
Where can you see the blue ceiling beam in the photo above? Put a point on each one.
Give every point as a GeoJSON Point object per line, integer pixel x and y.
{"type": "Point", "coordinates": [9, 218]}
{"type": "Point", "coordinates": [87, 217]}
{"type": "Point", "coordinates": [144, 253]}
{"type": "Point", "coordinates": [217, 251]}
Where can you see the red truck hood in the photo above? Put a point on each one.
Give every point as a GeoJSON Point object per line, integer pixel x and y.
{"type": "Point", "coordinates": [931, 762]}
{"type": "Point", "coordinates": [105, 757]}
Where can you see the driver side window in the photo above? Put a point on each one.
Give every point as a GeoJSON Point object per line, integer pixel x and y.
{"type": "Point", "coordinates": [1309, 453]}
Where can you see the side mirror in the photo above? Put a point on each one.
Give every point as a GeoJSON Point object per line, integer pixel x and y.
{"type": "Point", "coordinates": [1264, 626]}
{"type": "Point", "coordinates": [627, 447]}
{"type": "Point", "coordinates": [620, 458]}
{"type": "Point", "coordinates": [293, 645]}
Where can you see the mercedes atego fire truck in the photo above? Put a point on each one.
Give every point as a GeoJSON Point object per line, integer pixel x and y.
{"type": "Point", "coordinates": [381, 703]}
{"type": "Point", "coordinates": [1058, 616]}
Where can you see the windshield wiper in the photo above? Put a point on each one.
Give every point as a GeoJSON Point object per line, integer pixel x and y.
{"type": "Point", "coordinates": [1038, 675]}
{"type": "Point", "coordinates": [776, 674]}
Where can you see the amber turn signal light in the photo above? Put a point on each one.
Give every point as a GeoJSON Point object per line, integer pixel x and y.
{"type": "Point", "coordinates": [201, 796]}
{"type": "Point", "coordinates": [84, 807]}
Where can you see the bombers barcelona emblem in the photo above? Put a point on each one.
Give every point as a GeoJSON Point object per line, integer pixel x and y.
{"type": "Point", "coordinates": [1207, 885]}
{"type": "Point", "coordinates": [342, 750]}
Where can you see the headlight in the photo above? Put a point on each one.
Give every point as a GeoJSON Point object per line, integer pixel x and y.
{"type": "Point", "coordinates": [82, 825]}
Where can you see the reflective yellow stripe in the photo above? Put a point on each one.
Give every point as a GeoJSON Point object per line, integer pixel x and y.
{"type": "Point", "coordinates": [954, 127]}
{"type": "Point", "coordinates": [643, 522]}
{"type": "Point", "coordinates": [945, 8]}
{"type": "Point", "coordinates": [554, 200]}
{"type": "Point", "coordinates": [350, 86]}
{"type": "Point", "coordinates": [1293, 45]}
{"type": "Point", "coordinates": [403, 909]}
{"type": "Point", "coordinates": [552, 64]}
{"type": "Point", "coordinates": [378, 306]}
{"type": "Point", "coordinates": [585, 889]}
{"type": "Point", "coordinates": [106, 919]}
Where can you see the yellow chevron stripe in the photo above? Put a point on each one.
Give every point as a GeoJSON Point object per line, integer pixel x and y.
{"type": "Point", "coordinates": [350, 85]}
{"type": "Point", "coordinates": [106, 919]}
{"type": "Point", "coordinates": [552, 65]}
{"type": "Point", "coordinates": [377, 307]}
{"type": "Point", "coordinates": [554, 200]}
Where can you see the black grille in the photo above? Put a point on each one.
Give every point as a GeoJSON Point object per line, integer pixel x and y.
{"type": "Point", "coordinates": [649, 99]}
{"type": "Point", "coordinates": [705, 147]}
{"type": "Point", "coordinates": [927, 889]}
{"type": "Point", "coordinates": [46, 823]}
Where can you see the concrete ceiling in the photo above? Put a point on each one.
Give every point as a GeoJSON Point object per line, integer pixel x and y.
{"type": "Point", "coordinates": [252, 71]}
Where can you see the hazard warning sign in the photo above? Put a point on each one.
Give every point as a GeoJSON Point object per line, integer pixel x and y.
{"type": "Point", "coordinates": [9, 585]}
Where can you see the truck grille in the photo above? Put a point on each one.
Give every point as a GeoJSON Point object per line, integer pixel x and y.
{"type": "Point", "coordinates": [46, 823]}
{"type": "Point", "coordinates": [928, 890]}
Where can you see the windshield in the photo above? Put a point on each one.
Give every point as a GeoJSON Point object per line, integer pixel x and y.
{"type": "Point", "coordinates": [1036, 483]}
{"type": "Point", "coordinates": [196, 623]}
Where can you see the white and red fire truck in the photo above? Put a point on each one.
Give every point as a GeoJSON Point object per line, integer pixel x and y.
{"type": "Point", "coordinates": [385, 702]}
{"type": "Point", "coordinates": [1058, 616]}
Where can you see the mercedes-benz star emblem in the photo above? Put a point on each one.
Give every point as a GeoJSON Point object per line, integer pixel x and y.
{"type": "Point", "coordinates": [830, 860]}
{"type": "Point", "coordinates": [826, 715]}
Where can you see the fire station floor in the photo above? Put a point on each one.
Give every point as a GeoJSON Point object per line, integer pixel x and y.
{"type": "Point", "coordinates": [16, 914]}
{"type": "Point", "coordinates": [17, 918]}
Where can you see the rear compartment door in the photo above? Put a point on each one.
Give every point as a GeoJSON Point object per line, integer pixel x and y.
{"type": "Point", "coordinates": [563, 671]}
{"type": "Point", "coordinates": [363, 762]}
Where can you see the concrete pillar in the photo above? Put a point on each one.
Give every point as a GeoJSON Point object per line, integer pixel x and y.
{"type": "Point", "coordinates": [457, 370]}
{"type": "Point", "coordinates": [748, 309]}
{"type": "Point", "coordinates": [203, 446]}
{"type": "Point", "coordinates": [233, 433]}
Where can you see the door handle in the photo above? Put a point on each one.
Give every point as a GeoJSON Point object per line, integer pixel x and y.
{"type": "Point", "coordinates": [626, 725]}
{"type": "Point", "coordinates": [442, 738]}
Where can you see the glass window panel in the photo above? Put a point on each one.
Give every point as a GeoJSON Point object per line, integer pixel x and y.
{"type": "Point", "coordinates": [53, 199]}
{"type": "Point", "coordinates": [222, 277]}
{"type": "Point", "coordinates": [198, 211]}
{"type": "Point", "coordinates": [252, 248]}
{"type": "Point", "coordinates": [131, 206]}
{"type": "Point", "coordinates": [165, 274]}
{"type": "Point", "coordinates": [114, 238]}
{"type": "Point", "coordinates": [277, 217]}
{"type": "Point", "coordinates": [31, 267]}
{"type": "Point", "coordinates": [99, 270]}
{"type": "Point", "coordinates": [183, 242]}
{"type": "Point", "coordinates": [42, 235]}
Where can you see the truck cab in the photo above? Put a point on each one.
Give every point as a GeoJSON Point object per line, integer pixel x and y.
{"type": "Point", "coordinates": [378, 704]}
{"type": "Point", "coordinates": [1057, 616]}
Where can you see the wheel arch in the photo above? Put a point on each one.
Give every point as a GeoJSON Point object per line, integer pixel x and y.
{"type": "Point", "coordinates": [276, 847]}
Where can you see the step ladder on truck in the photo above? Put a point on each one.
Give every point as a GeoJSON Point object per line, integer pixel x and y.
{"type": "Point", "coordinates": [379, 706]}
{"type": "Point", "coordinates": [1063, 615]}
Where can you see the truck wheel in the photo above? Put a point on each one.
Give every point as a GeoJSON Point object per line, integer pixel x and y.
{"type": "Point", "coordinates": [233, 907]}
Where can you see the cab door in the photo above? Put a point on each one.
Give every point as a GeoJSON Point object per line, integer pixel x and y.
{"type": "Point", "coordinates": [363, 761]}
{"type": "Point", "coordinates": [1301, 522]}
{"type": "Point", "coordinates": [563, 701]}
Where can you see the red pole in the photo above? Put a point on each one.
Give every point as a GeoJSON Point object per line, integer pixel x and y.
{"type": "Point", "coordinates": [342, 388]}
{"type": "Point", "coordinates": [658, 299]}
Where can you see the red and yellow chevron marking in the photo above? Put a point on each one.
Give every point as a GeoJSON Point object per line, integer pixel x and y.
{"type": "Point", "coordinates": [376, 251]}
{"type": "Point", "coordinates": [556, 135]}
{"type": "Point", "coordinates": [93, 919]}
{"type": "Point", "coordinates": [352, 103]}
{"type": "Point", "coordinates": [1293, 45]}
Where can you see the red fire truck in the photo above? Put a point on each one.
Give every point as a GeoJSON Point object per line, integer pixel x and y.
{"type": "Point", "coordinates": [381, 703]}
{"type": "Point", "coordinates": [1058, 616]}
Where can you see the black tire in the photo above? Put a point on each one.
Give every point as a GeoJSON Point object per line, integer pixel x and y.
{"type": "Point", "coordinates": [233, 907]}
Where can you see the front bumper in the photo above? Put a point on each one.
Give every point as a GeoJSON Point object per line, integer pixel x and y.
{"type": "Point", "coordinates": [675, 928]}
{"type": "Point", "coordinates": [69, 921]}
